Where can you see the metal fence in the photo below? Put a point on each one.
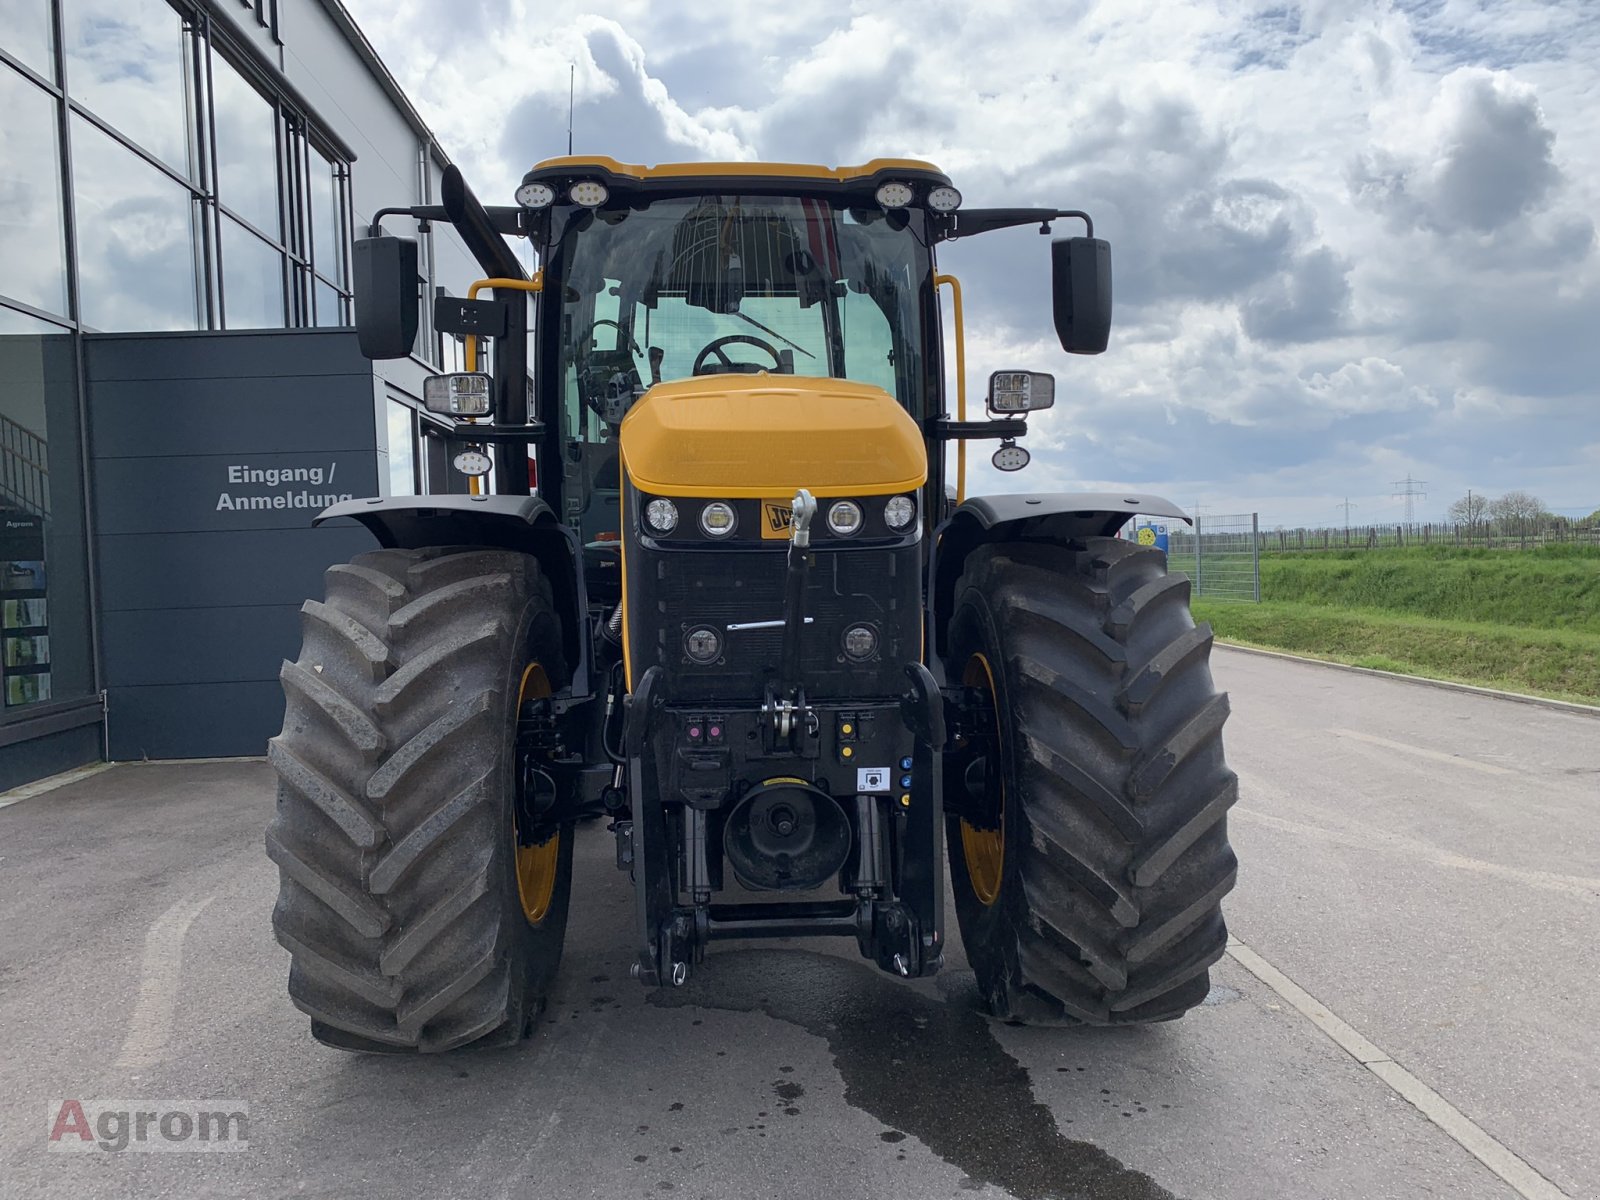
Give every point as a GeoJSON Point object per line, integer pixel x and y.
{"type": "Point", "coordinates": [1221, 556]}
{"type": "Point", "coordinates": [1496, 535]}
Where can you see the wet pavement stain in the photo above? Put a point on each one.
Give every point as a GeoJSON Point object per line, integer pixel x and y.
{"type": "Point", "coordinates": [924, 1067]}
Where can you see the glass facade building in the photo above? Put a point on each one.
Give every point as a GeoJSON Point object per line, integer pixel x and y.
{"type": "Point", "coordinates": [168, 165]}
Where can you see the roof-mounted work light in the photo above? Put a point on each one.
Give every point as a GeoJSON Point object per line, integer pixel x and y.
{"type": "Point", "coordinates": [536, 195]}
{"type": "Point", "coordinates": [894, 195]}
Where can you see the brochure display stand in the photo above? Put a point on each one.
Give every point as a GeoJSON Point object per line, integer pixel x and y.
{"type": "Point", "coordinates": [24, 609]}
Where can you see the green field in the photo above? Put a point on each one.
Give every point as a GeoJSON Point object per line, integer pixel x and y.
{"type": "Point", "coordinates": [1526, 621]}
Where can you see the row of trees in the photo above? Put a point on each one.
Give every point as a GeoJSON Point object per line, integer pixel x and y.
{"type": "Point", "coordinates": [1521, 509]}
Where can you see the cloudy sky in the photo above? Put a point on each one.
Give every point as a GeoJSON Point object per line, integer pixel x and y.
{"type": "Point", "coordinates": [1353, 239]}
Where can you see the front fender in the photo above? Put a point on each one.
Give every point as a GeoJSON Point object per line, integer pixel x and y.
{"type": "Point", "coordinates": [1026, 517]}
{"type": "Point", "coordinates": [524, 523]}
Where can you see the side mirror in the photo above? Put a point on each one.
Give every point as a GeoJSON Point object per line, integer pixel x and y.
{"type": "Point", "coordinates": [1081, 282]}
{"type": "Point", "coordinates": [387, 295]}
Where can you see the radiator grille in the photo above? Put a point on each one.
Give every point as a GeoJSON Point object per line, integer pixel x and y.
{"type": "Point", "coordinates": [672, 591]}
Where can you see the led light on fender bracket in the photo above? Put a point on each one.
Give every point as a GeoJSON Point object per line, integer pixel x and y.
{"type": "Point", "coordinates": [588, 193]}
{"type": "Point", "coordinates": [1011, 457]}
{"type": "Point", "coordinates": [860, 642]}
{"type": "Point", "coordinates": [844, 518]}
{"type": "Point", "coordinates": [462, 394]}
{"type": "Point", "coordinates": [661, 515]}
{"type": "Point", "coordinates": [703, 644]}
{"type": "Point", "coordinates": [899, 512]}
{"type": "Point", "coordinates": [894, 195]}
{"type": "Point", "coordinates": [473, 462]}
{"type": "Point", "coordinates": [536, 195]}
{"type": "Point", "coordinates": [718, 519]}
{"type": "Point", "coordinates": [944, 199]}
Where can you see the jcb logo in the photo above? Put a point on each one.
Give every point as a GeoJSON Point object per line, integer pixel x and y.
{"type": "Point", "coordinates": [777, 515]}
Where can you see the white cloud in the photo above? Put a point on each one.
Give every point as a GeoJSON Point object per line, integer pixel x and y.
{"type": "Point", "coordinates": [1352, 237]}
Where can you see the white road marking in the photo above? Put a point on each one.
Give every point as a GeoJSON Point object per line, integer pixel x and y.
{"type": "Point", "coordinates": [1471, 1137]}
{"type": "Point", "coordinates": [29, 790]}
{"type": "Point", "coordinates": [1454, 760]}
{"type": "Point", "coordinates": [151, 1024]}
{"type": "Point", "coordinates": [1579, 887]}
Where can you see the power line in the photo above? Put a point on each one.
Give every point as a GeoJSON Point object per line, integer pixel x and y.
{"type": "Point", "coordinates": [1411, 490]}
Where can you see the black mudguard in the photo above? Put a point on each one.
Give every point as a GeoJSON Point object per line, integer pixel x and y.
{"type": "Point", "coordinates": [524, 523]}
{"type": "Point", "coordinates": [1026, 517]}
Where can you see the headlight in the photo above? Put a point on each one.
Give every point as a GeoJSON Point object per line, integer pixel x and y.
{"type": "Point", "coordinates": [718, 519]}
{"type": "Point", "coordinates": [661, 516]}
{"type": "Point", "coordinates": [703, 644]}
{"type": "Point", "coordinates": [860, 642]}
{"type": "Point", "coordinates": [900, 512]}
{"type": "Point", "coordinates": [844, 518]}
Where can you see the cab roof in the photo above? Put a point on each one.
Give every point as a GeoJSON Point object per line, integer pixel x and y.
{"type": "Point", "coordinates": [690, 177]}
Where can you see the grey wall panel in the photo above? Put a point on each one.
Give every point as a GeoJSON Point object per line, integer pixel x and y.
{"type": "Point", "coordinates": [220, 570]}
{"type": "Point", "coordinates": [136, 418]}
{"type": "Point", "coordinates": [251, 354]}
{"type": "Point", "coordinates": [215, 645]}
{"type": "Point", "coordinates": [204, 537]}
{"type": "Point", "coordinates": [210, 720]}
{"type": "Point", "coordinates": [39, 757]}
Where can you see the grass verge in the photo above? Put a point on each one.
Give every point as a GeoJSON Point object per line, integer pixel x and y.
{"type": "Point", "coordinates": [1563, 664]}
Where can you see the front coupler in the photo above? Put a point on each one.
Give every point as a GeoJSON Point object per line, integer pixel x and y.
{"type": "Point", "coordinates": [892, 869]}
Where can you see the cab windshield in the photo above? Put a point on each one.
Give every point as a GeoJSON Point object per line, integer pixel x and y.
{"type": "Point", "coordinates": [712, 285]}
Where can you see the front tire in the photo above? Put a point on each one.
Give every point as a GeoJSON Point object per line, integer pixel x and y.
{"type": "Point", "coordinates": [1089, 888]}
{"type": "Point", "coordinates": [395, 837]}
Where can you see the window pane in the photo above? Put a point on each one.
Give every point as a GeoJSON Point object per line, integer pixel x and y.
{"type": "Point", "coordinates": [29, 35]}
{"type": "Point", "coordinates": [247, 154]}
{"type": "Point", "coordinates": [44, 593]}
{"type": "Point", "coordinates": [128, 62]}
{"type": "Point", "coordinates": [136, 239]}
{"type": "Point", "coordinates": [32, 245]}
{"type": "Point", "coordinates": [330, 305]}
{"type": "Point", "coordinates": [402, 471]}
{"type": "Point", "coordinates": [252, 280]}
{"type": "Point", "coordinates": [327, 229]}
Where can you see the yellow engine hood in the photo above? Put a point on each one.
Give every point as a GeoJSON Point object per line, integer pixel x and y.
{"type": "Point", "coordinates": [756, 436]}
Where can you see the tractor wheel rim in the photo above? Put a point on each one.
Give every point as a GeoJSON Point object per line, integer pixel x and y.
{"type": "Point", "coordinates": [985, 849]}
{"type": "Point", "coordinates": [536, 865]}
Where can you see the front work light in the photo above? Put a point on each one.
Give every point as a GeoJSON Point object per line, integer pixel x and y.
{"type": "Point", "coordinates": [718, 519]}
{"type": "Point", "coordinates": [844, 518]}
{"type": "Point", "coordinates": [661, 515]}
{"type": "Point", "coordinates": [1021, 391]}
{"type": "Point", "coordinates": [536, 195]}
{"type": "Point", "coordinates": [899, 512]}
{"type": "Point", "coordinates": [894, 195]}
{"type": "Point", "coordinates": [944, 199]}
{"type": "Point", "coordinates": [462, 394]}
{"type": "Point", "coordinates": [588, 193]}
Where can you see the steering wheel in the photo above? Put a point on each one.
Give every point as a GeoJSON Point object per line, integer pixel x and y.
{"type": "Point", "coordinates": [715, 350]}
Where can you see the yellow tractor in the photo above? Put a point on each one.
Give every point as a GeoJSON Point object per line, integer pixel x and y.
{"type": "Point", "coordinates": [748, 617]}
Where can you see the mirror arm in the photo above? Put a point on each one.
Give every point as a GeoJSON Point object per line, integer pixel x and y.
{"type": "Point", "coordinates": [1003, 428]}
{"type": "Point", "coordinates": [972, 221]}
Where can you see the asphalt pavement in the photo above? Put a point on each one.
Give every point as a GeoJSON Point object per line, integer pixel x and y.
{"type": "Point", "coordinates": [1416, 915]}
